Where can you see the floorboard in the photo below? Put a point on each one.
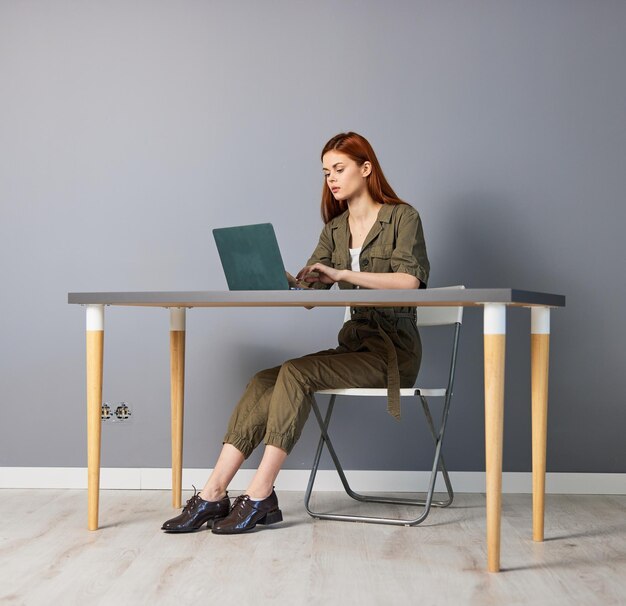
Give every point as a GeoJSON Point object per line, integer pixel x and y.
{"type": "Point", "coordinates": [48, 557]}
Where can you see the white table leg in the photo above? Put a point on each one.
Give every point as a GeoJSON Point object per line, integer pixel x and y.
{"type": "Point", "coordinates": [539, 355]}
{"type": "Point", "coordinates": [95, 350]}
{"type": "Point", "coordinates": [177, 384]}
{"type": "Point", "coordinates": [494, 329]}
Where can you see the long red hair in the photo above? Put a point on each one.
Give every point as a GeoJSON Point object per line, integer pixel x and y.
{"type": "Point", "coordinates": [359, 149]}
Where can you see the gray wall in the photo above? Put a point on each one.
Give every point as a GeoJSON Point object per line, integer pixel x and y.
{"type": "Point", "coordinates": [129, 129]}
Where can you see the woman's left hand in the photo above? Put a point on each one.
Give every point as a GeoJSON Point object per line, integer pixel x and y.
{"type": "Point", "coordinates": [324, 274]}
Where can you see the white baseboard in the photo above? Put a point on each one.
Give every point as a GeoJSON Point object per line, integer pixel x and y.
{"type": "Point", "coordinates": [295, 479]}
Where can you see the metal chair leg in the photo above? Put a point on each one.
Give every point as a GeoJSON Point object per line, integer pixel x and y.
{"type": "Point", "coordinates": [438, 463]}
{"type": "Point", "coordinates": [324, 439]}
{"type": "Point", "coordinates": [442, 467]}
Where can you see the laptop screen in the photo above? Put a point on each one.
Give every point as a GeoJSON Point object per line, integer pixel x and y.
{"type": "Point", "coordinates": [251, 258]}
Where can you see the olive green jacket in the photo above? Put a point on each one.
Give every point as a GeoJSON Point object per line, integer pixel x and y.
{"type": "Point", "coordinates": [394, 244]}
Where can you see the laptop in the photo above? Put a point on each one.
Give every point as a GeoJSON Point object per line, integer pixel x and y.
{"type": "Point", "coordinates": [251, 258]}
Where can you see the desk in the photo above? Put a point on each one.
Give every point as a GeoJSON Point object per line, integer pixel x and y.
{"type": "Point", "coordinates": [493, 301]}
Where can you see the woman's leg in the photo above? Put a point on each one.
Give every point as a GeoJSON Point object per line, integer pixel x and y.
{"type": "Point", "coordinates": [228, 463]}
{"type": "Point", "coordinates": [291, 402]}
{"type": "Point", "coordinates": [284, 416]}
{"type": "Point", "coordinates": [263, 481]}
{"type": "Point", "coordinates": [277, 403]}
{"type": "Point", "coordinates": [245, 431]}
{"type": "Point", "coordinates": [300, 378]}
{"type": "Point", "coordinates": [246, 427]}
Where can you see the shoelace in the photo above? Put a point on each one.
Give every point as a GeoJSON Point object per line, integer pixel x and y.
{"type": "Point", "coordinates": [192, 501]}
{"type": "Point", "coordinates": [241, 500]}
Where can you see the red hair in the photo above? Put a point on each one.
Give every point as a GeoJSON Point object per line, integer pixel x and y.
{"type": "Point", "coordinates": [359, 149]}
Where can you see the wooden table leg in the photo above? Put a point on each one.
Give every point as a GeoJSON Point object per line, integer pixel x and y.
{"type": "Point", "coordinates": [177, 383]}
{"type": "Point", "coordinates": [95, 350]}
{"type": "Point", "coordinates": [539, 354]}
{"type": "Point", "coordinates": [495, 340]}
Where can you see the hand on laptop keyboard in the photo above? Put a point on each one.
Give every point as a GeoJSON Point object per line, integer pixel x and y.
{"type": "Point", "coordinates": [295, 284]}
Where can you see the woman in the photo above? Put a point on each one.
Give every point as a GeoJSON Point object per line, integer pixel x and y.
{"type": "Point", "coordinates": [371, 239]}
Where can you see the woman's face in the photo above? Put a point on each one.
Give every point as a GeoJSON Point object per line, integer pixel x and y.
{"type": "Point", "coordinates": [344, 177]}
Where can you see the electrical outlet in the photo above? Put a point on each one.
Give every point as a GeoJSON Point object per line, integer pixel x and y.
{"type": "Point", "coordinates": [122, 411]}
{"type": "Point", "coordinates": [106, 411]}
{"type": "Point", "coordinates": [116, 412]}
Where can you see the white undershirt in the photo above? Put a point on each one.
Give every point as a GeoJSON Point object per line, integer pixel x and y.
{"type": "Point", "coordinates": [354, 259]}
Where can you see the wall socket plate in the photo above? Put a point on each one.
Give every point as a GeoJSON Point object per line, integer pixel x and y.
{"type": "Point", "coordinates": [116, 412]}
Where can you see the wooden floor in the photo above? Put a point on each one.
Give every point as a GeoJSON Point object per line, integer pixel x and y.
{"type": "Point", "coordinates": [48, 557]}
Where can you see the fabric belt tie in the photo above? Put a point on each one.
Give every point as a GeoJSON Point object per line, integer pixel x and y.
{"type": "Point", "coordinates": [376, 320]}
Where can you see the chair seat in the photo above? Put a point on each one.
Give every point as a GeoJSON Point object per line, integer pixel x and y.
{"type": "Point", "coordinates": [406, 391]}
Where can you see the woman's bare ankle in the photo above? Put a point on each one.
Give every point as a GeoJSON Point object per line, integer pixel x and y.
{"type": "Point", "coordinates": [212, 494]}
{"type": "Point", "coordinates": [258, 492]}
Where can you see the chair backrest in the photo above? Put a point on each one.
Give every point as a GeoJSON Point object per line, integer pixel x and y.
{"type": "Point", "coordinates": [440, 316]}
{"type": "Point", "coordinates": [433, 316]}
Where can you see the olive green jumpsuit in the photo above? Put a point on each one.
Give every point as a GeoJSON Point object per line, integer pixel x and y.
{"type": "Point", "coordinates": [378, 346]}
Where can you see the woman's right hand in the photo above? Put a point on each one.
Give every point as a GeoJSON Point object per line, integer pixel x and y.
{"type": "Point", "coordinates": [318, 272]}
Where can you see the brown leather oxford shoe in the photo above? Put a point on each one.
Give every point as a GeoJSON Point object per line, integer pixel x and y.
{"type": "Point", "coordinates": [245, 514]}
{"type": "Point", "coordinates": [197, 512]}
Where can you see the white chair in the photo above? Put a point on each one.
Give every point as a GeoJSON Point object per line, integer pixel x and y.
{"type": "Point", "coordinates": [426, 317]}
